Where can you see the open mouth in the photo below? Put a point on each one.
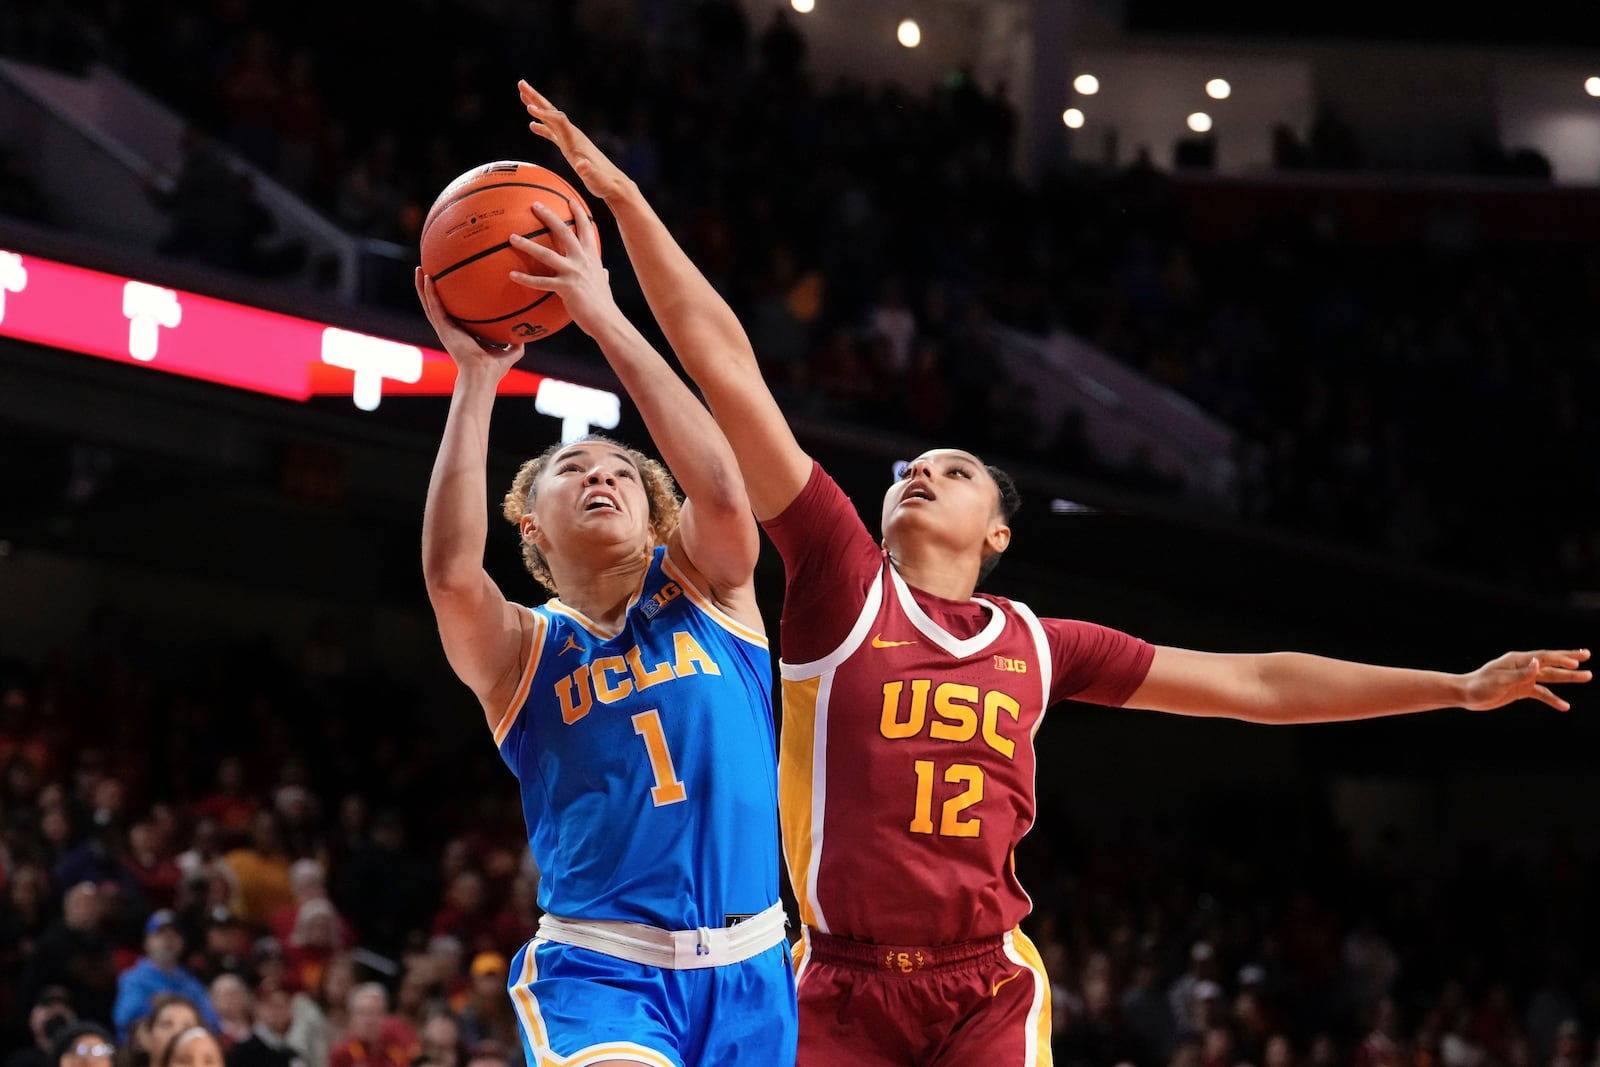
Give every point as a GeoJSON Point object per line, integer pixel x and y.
{"type": "Point", "coordinates": [918, 492]}
{"type": "Point", "coordinates": [600, 502]}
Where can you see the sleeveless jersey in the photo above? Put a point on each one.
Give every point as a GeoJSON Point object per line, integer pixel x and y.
{"type": "Point", "coordinates": [906, 765]}
{"type": "Point", "coordinates": [646, 760]}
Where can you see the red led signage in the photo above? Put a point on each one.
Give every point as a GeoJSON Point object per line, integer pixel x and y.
{"type": "Point", "coordinates": [175, 332]}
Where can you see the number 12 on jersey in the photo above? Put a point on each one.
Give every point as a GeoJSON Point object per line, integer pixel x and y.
{"type": "Point", "coordinates": [950, 822]}
{"type": "Point", "coordinates": [668, 789]}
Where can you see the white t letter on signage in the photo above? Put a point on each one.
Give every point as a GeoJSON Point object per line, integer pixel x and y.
{"type": "Point", "coordinates": [13, 278]}
{"type": "Point", "coordinates": [148, 308]}
{"type": "Point", "coordinates": [373, 359]}
{"type": "Point", "coordinates": [577, 406]}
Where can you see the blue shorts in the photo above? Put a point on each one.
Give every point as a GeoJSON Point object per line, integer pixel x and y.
{"type": "Point", "coordinates": [579, 1007]}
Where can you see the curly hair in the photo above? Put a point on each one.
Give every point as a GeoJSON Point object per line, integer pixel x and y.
{"type": "Point", "coordinates": [659, 488]}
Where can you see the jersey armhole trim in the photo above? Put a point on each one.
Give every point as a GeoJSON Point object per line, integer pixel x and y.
{"type": "Point", "coordinates": [1046, 662]}
{"type": "Point", "coordinates": [536, 634]}
{"type": "Point", "coordinates": [795, 672]}
{"type": "Point", "coordinates": [707, 605]}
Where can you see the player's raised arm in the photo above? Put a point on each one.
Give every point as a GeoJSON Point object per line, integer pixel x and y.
{"type": "Point", "coordinates": [482, 633]}
{"type": "Point", "coordinates": [1292, 687]}
{"type": "Point", "coordinates": [715, 528]}
{"type": "Point", "coordinates": [703, 331]}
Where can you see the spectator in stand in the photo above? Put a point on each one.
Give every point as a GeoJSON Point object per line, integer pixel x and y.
{"type": "Point", "coordinates": [230, 999]}
{"type": "Point", "coordinates": [49, 1017]}
{"type": "Point", "coordinates": [25, 913]}
{"type": "Point", "coordinates": [394, 889]}
{"type": "Point", "coordinates": [158, 972]}
{"type": "Point", "coordinates": [170, 1014]}
{"type": "Point", "coordinates": [370, 1041]}
{"type": "Point", "coordinates": [230, 806]}
{"type": "Point", "coordinates": [268, 1043]}
{"type": "Point", "coordinates": [262, 870]}
{"type": "Point", "coordinates": [307, 882]}
{"type": "Point", "coordinates": [440, 1039]}
{"type": "Point", "coordinates": [315, 940]}
{"type": "Point", "coordinates": [518, 920]}
{"type": "Point", "coordinates": [194, 1047]}
{"type": "Point", "coordinates": [83, 1044]}
{"type": "Point", "coordinates": [465, 916]}
{"type": "Point", "coordinates": [76, 953]}
{"type": "Point", "coordinates": [154, 872]}
{"type": "Point", "coordinates": [203, 860]}
{"type": "Point", "coordinates": [486, 1013]}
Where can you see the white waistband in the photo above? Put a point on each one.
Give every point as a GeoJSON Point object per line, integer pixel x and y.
{"type": "Point", "coordinates": [676, 950]}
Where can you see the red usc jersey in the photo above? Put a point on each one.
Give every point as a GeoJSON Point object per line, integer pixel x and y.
{"type": "Point", "coordinates": [906, 763]}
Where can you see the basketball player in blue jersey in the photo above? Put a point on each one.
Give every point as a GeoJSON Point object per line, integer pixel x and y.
{"type": "Point", "coordinates": [634, 706]}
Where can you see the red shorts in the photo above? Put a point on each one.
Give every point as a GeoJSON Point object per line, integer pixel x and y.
{"type": "Point", "coordinates": [982, 1003]}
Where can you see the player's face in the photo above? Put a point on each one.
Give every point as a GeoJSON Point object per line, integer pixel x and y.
{"type": "Point", "coordinates": [590, 492]}
{"type": "Point", "coordinates": [944, 492]}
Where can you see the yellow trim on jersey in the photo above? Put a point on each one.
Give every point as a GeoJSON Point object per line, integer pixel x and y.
{"type": "Point", "coordinates": [527, 1007]}
{"type": "Point", "coordinates": [536, 650]}
{"type": "Point", "coordinates": [796, 785]}
{"type": "Point", "coordinates": [594, 629]}
{"type": "Point", "coordinates": [1022, 951]}
{"type": "Point", "coordinates": [705, 604]}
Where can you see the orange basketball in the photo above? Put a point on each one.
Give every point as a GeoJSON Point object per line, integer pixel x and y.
{"type": "Point", "coordinates": [466, 249]}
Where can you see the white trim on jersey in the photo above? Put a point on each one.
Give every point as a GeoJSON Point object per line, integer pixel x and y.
{"type": "Point", "coordinates": [527, 1006]}
{"type": "Point", "coordinates": [799, 672]}
{"type": "Point", "coordinates": [942, 638]}
{"type": "Point", "coordinates": [1046, 662]}
{"type": "Point", "coordinates": [819, 787]}
{"type": "Point", "coordinates": [1030, 1055]}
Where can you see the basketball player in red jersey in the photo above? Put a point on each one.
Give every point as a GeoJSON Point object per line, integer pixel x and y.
{"type": "Point", "coordinates": [910, 703]}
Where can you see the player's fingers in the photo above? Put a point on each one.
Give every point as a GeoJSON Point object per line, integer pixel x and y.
{"type": "Point", "coordinates": [560, 232]}
{"type": "Point", "coordinates": [1562, 657]}
{"type": "Point", "coordinates": [1541, 693]}
{"type": "Point", "coordinates": [1560, 674]}
{"type": "Point", "coordinates": [539, 252]}
{"type": "Point", "coordinates": [583, 227]}
{"type": "Point", "coordinates": [533, 97]}
{"type": "Point", "coordinates": [553, 283]}
{"type": "Point", "coordinates": [544, 131]}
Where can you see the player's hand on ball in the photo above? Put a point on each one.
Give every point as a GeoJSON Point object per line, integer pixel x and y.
{"type": "Point", "coordinates": [1516, 675]}
{"type": "Point", "coordinates": [464, 348]}
{"type": "Point", "coordinates": [600, 176]}
{"type": "Point", "coordinates": [572, 270]}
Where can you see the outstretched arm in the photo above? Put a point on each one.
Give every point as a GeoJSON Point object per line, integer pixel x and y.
{"type": "Point", "coordinates": [703, 331]}
{"type": "Point", "coordinates": [482, 633]}
{"type": "Point", "coordinates": [717, 537]}
{"type": "Point", "coordinates": [1292, 687]}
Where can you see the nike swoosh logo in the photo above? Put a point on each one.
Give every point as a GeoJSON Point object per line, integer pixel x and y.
{"type": "Point", "coordinates": [1003, 981]}
{"type": "Point", "coordinates": [879, 642]}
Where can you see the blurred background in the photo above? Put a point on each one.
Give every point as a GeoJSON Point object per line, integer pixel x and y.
{"type": "Point", "coordinates": [1286, 326]}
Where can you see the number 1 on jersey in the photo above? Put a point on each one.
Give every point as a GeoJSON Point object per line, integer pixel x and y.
{"type": "Point", "coordinates": [667, 790]}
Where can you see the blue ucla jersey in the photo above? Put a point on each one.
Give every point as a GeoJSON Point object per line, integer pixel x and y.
{"type": "Point", "coordinates": [647, 760]}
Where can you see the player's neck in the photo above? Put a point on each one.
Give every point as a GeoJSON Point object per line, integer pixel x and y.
{"type": "Point", "coordinates": [603, 594]}
{"type": "Point", "coordinates": [938, 572]}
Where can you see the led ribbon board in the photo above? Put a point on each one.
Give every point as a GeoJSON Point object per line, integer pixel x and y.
{"type": "Point", "coordinates": [176, 332]}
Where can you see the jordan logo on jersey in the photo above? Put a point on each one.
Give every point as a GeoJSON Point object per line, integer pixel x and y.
{"type": "Point", "coordinates": [610, 678]}
{"type": "Point", "coordinates": [572, 646]}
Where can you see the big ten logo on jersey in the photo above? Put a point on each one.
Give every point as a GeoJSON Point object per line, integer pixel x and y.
{"type": "Point", "coordinates": [608, 679]}
{"type": "Point", "coordinates": [669, 592]}
{"type": "Point", "coordinates": [959, 712]}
